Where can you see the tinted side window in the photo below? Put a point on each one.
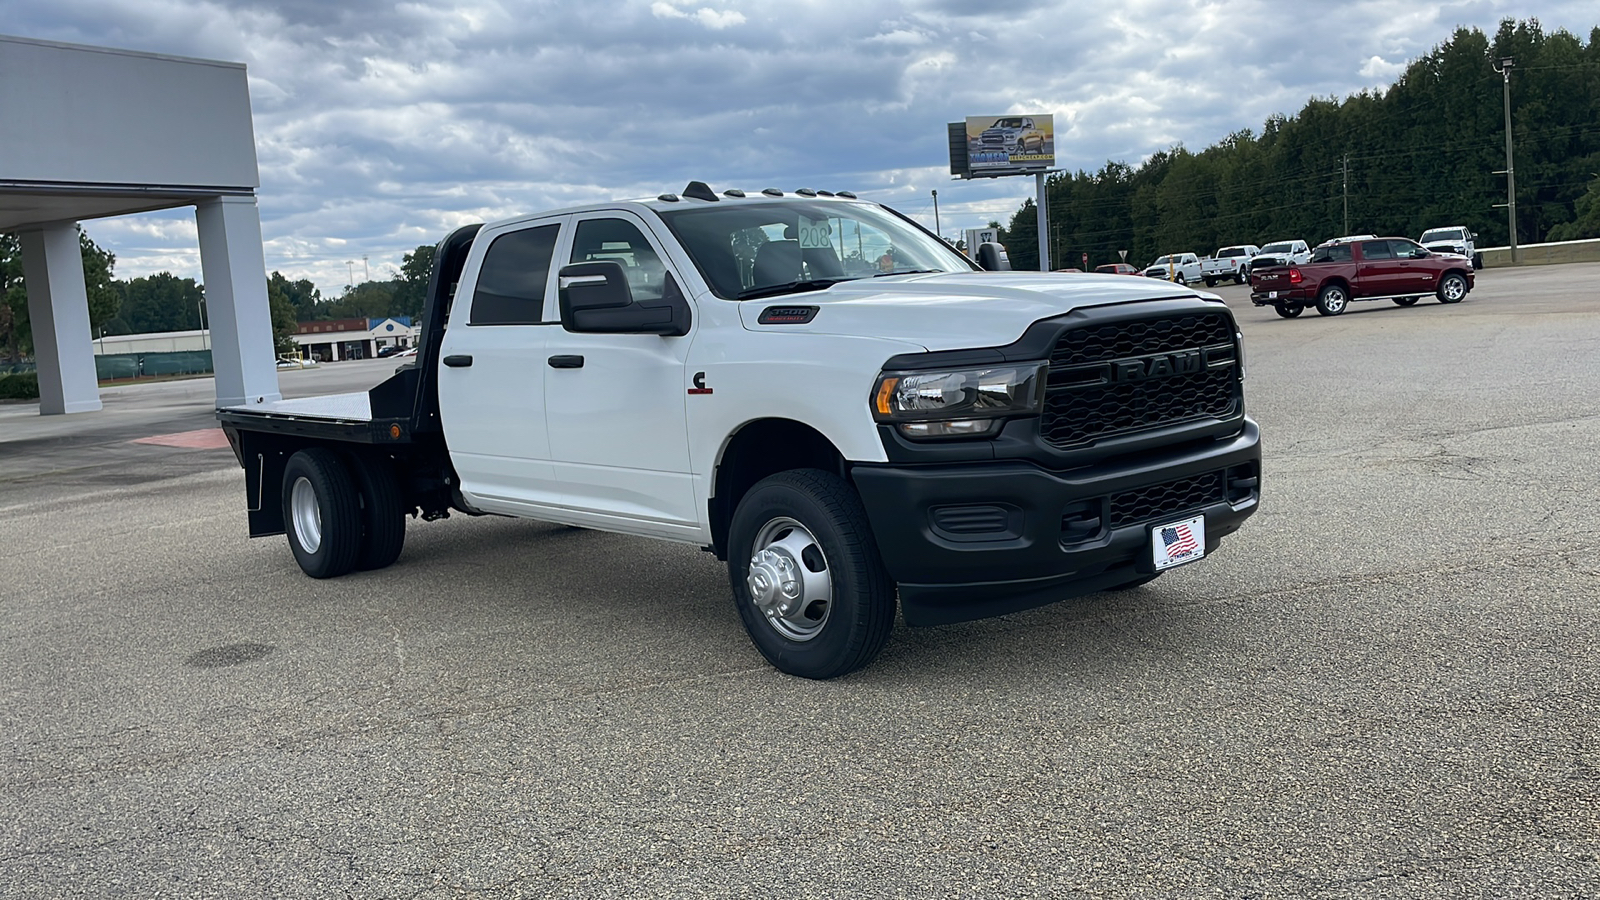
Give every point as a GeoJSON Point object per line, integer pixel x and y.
{"type": "Point", "coordinates": [1404, 249]}
{"type": "Point", "coordinates": [1375, 250]}
{"type": "Point", "coordinates": [620, 241]}
{"type": "Point", "coordinates": [510, 289]}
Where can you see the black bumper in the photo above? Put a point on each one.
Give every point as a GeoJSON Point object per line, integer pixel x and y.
{"type": "Point", "coordinates": [984, 539]}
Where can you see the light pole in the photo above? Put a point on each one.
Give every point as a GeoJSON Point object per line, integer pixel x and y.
{"type": "Point", "coordinates": [350, 266]}
{"type": "Point", "coordinates": [936, 229]}
{"type": "Point", "coordinates": [199, 313]}
{"type": "Point", "coordinates": [366, 270]}
{"type": "Point", "coordinates": [1504, 68]}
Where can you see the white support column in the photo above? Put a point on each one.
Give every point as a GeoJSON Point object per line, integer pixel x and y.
{"type": "Point", "coordinates": [58, 309]}
{"type": "Point", "coordinates": [235, 272]}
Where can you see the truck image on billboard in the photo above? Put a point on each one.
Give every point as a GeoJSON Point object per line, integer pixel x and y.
{"type": "Point", "coordinates": [997, 144]}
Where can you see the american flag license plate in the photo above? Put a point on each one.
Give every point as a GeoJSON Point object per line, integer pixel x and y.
{"type": "Point", "coordinates": [1178, 543]}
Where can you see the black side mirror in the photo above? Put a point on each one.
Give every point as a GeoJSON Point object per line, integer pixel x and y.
{"type": "Point", "coordinates": [992, 257]}
{"type": "Point", "coordinates": [596, 299]}
{"type": "Point", "coordinates": [1474, 235]}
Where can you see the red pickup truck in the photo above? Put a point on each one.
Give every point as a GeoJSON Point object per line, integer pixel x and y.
{"type": "Point", "coordinates": [1397, 269]}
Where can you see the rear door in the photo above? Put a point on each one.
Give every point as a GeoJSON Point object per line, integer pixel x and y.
{"type": "Point", "coordinates": [1378, 273]}
{"type": "Point", "coordinates": [492, 371]}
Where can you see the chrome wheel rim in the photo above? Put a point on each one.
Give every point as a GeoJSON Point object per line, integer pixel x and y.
{"type": "Point", "coordinates": [1454, 289]}
{"type": "Point", "coordinates": [789, 580]}
{"type": "Point", "coordinates": [306, 515]}
{"type": "Point", "coordinates": [1334, 301]}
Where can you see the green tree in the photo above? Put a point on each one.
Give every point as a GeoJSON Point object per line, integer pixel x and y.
{"type": "Point", "coordinates": [302, 295]}
{"type": "Point", "coordinates": [411, 292]}
{"type": "Point", "coordinates": [16, 332]}
{"type": "Point", "coordinates": [368, 300]}
{"type": "Point", "coordinates": [284, 322]}
{"type": "Point", "coordinates": [1587, 223]}
{"type": "Point", "coordinates": [161, 302]}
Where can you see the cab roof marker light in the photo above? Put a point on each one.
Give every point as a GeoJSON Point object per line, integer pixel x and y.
{"type": "Point", "coordinates": [670, 198]}
{"type": "Point", "coordinates": [848, 195]}
{"type": "Point", "coordinates": [733, 192]}
{"type": "Point", "coordinates": [699, 190]}
{"type": "Point", "coordinates": [806, 192]}
{"type": "Point", "coordinates": [772, 192]}
{"type": "Point", "coordinates": [824, 193]}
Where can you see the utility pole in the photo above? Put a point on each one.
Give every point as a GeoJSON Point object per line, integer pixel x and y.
{"type": "Point", "coordinates": [366, 270]}
{"type": "Point", "coordinates": [350, 267]}
{"type": "Point", "coordinates": [1504, 68]}
{"type": "Point", "coordinates": [1044, 224]}
{"type": "Point", "coordinates": [936, 229]}
{"type": "Point", "coordinates": [1346, 168]}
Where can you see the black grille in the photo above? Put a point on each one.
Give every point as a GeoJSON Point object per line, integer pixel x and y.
{"type": "Point", "coordinates": [1166, 500]}
{"type": "Point", "coordinates": [1087, 399]}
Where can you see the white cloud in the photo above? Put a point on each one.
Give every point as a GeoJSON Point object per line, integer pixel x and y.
{"type": "Point", "coordinates": [711, 18]}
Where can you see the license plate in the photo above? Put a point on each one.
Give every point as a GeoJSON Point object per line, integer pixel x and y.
{"type": "Point", "coordinates": [1178, 543]}
{"type": "Point", "coordinates": [1272, 295]}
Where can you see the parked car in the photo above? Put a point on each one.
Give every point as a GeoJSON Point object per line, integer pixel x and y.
{"type": "Point", "coordinates": [387, 351]}
{"type": "Point", "coordinates": [1398, 269]}
{"type": "Point", "coordinates": [1455, 239]}
{"type": "Point", "coordinates": [1279, 253]}
{"type": "Point", "coordinates": [1228, 262]}
{"type": "Point", "coordinates": [1180, 267]}
{"type": "Point", "coordinates": [1116, 269]}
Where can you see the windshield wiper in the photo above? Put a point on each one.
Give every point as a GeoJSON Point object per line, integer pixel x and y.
{"type": "Point", "coordinates": [911, 272]}
{"type": "Point", "coordinates": [792, 287]}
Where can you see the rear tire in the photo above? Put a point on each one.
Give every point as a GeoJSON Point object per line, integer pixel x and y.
{"type": "Point", "coordinates": [383, 515]}
{"type": "Point", "coordinates": [1452, 288]}
{"type": "Point", "coordinates": [820, 603]}
{"type": "Point", "coordinates": [1333, 300]}
{"type": "Point", "coordinates": [1211, 282]}
{"type": "Point", "coordinates": [321, 513]}
{"type": "Point", "coordinates": [1289, 310]}
{"type": "Point", "coordinates": [1406, 301]}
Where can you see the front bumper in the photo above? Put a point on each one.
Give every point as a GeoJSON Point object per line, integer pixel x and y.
{"type": "Point", "coordinates": [973, 540]}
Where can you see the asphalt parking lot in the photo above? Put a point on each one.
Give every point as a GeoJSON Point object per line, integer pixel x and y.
{"type": "Point", "coordinates": [1384, 685]}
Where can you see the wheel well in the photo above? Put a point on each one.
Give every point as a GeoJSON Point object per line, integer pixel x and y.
{"type": "Point", "coordinates": [1461, 272]}
{"type": "Point", "coordinates": [1333, 282]}
{"type": "Point", "coordinates": [761, 448]}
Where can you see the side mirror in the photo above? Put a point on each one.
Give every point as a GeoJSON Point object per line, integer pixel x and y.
{"type": "Point", "coordinates": [1421, 253]}
{"type": "Point", "coordinates": [596, 299]}
{"type": "Point", "coordinates": [992, 257]}
{"type": "Point", "coordinates": [1474, 235]}
{"type": "Point", "coordinates": [593, 285]}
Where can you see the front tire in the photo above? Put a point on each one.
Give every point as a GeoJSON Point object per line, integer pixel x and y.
{"type": "Point", "coordinates": [321, 513]}
{"type": "Point", "coordinates": [807, 579]}
{"type": "Point", "coordinates": [1452, 288]}
{"type": "Point", "coordinates": [1333, 300]}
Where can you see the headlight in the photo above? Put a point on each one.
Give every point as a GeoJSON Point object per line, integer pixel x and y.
{"type": "Point", "coordinates": [959, 402]}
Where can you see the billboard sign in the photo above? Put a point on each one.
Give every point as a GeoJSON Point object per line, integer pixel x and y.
{"type": "Point", "coordinates": [1010, 145]}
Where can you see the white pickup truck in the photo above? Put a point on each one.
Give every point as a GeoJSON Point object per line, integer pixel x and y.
{"type": "Point", "coordinates": [849, 412]}
{"type": "Point", "coordinates": [1182, 268]}
{"type": "Point", "coordinates": [1228, 263]}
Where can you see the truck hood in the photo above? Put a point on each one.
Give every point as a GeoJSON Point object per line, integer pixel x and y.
{"type": "Point", "coordinates": [953, 311]}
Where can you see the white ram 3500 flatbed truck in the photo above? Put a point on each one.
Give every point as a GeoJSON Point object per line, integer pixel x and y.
{"type": "Point", "coordinates": [830, 398]}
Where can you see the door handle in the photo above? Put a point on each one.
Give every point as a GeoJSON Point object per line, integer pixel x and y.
{"type": "Point", "coordinates": [566, 362]}
{"type": "Point", "coordinates": [458, 360]}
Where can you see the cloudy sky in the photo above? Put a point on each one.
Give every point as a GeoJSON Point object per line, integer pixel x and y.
{"type": "Point", "coordinates": [381, 125]}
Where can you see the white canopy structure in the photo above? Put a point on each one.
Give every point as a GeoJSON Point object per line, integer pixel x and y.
{"type": "Point", "coordinates": [93, 132]}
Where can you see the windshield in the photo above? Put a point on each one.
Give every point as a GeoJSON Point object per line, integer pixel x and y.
{"type": "Point", "coordinates": [1284, 247]}
{"type": "Point", "coordinates": [750, 249]}
{"type": "Point", "coordinates": [1160, 261]}
{"type": "Point", "coordinates": [1441, 234]}
{"type": "Point", "coordinates": [1008, 123]}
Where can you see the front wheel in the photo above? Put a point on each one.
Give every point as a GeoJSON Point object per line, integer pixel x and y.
{"type": "Point", "coordinates": [806, 575]}
{"type": "Point", "coordinates": [1289, 310]}
{"type": "Point", "coordinates": [1181, 279]}
{"type": "Point", "coordinates": [1452, 288]}
{"type": "Point", "coordinates": [1406, 301]}
{"type": "Point", "coordinates": [1332, 301]}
